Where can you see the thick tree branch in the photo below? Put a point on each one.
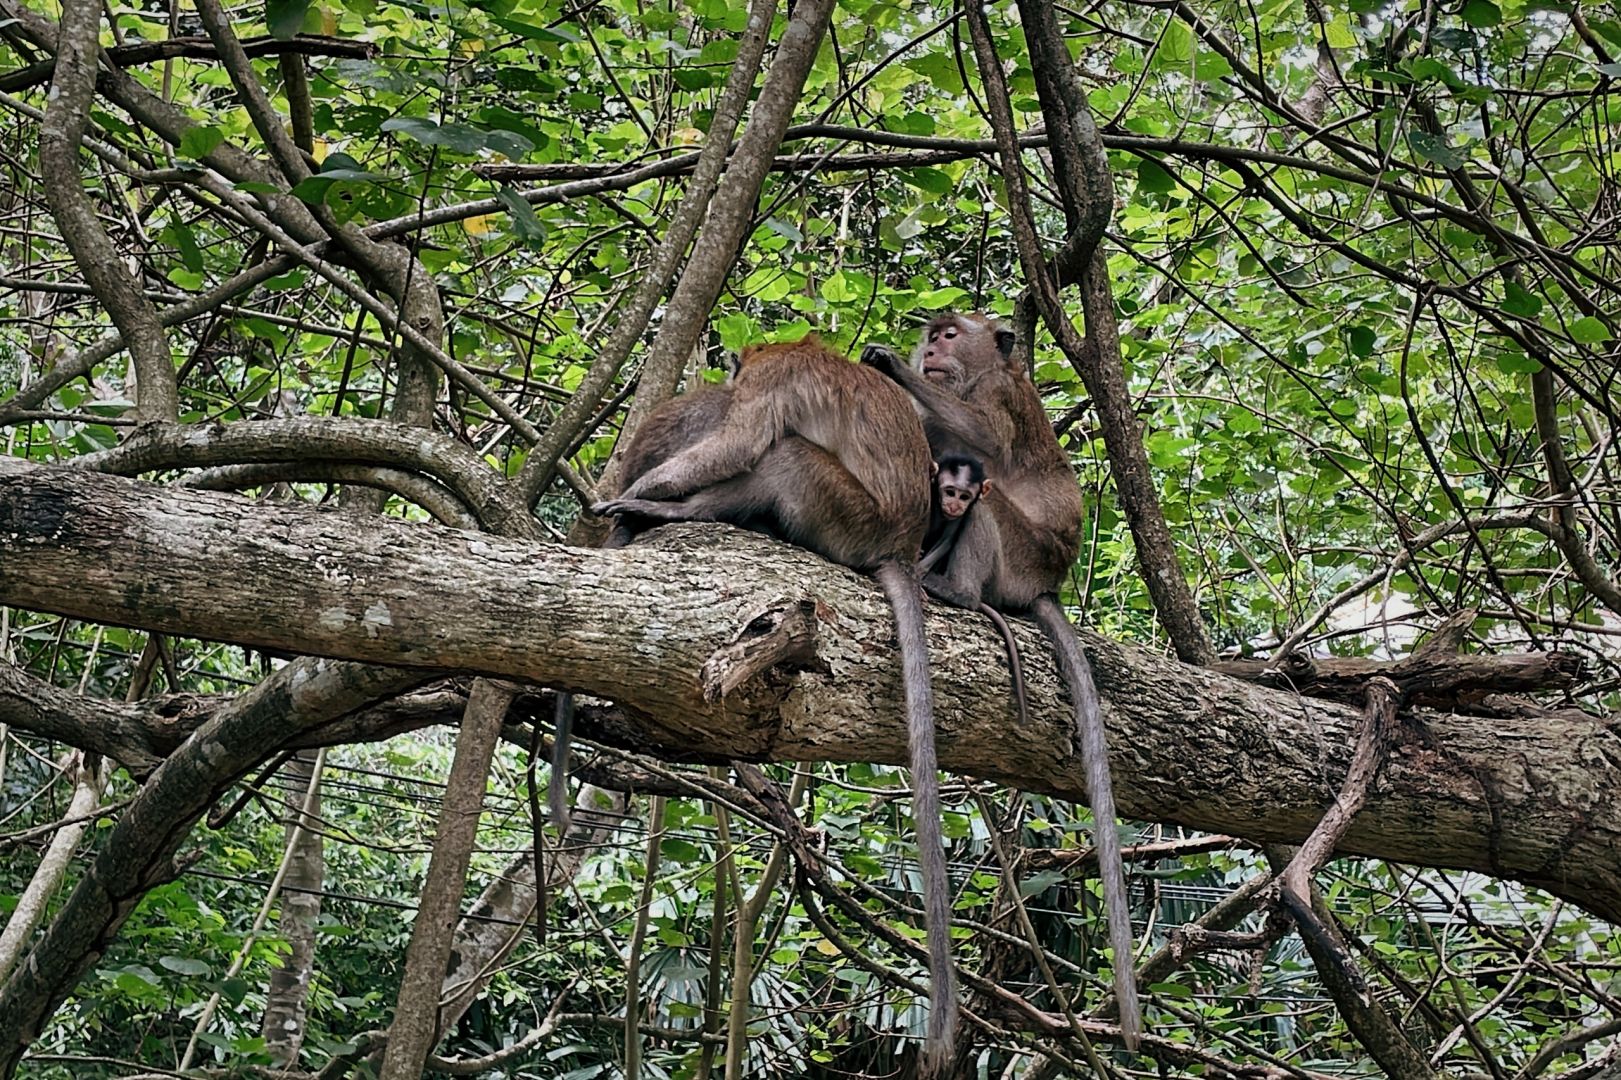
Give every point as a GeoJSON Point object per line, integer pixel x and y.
{"type": "Point", "coordinates": [315, 439]}
{"type": "Point", "coordinates": [66, 116]}
{"type": "Point", "coordinates": [1097, 357]}
{"type": "Point", "coordinates": [635, 626]}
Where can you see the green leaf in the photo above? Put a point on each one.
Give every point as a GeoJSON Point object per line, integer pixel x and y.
{"type": "Point", "coordinates": [1361, 340]}
{"type": "Point", "coordinates": [934, 181]}
{"type": "Point", "coordinates": [785, 229]}
{"type": "Point", "coordinates": [1434, 148]}
{"type": "Point", "coordinates": [285, 17]}
{"type": "Point", "coordinates": [531, 32]}
{"type": "Point", "coordinates": [190, 280]}
{"type": "Point", "coordinates": [1479, 13]}
{"type": "Point", "coordinates": [183, 965]}
{"type": "Point", "coordinates": [525, 222]}
{"type": "Point", "coordinates": [693, 78]}
{"type": "Point", "coordinates": [678, 850]}
{"type": "Point", "coordinates": [1039, 883]}
{"type": "Point", "coordinates": [1177, 46]}
{"type": "Point", "coordinates": [1589, 331]}
{"type": "Point", "coordinates": [1518, 364]}
{"type": "Point", "coordinates": [939, 69]}
{"type": "Point", "coordinates": [1339, 33]}
{"type": "Point", "coordinates": [198, 142]}
{"type": "Point", "coordinates": [942, 299]}
{"type": "Point", "coordinates": [1153, 178]}
{"type": "Point", "coordinates": [1519, 300]}
{"type": "Point", "coordinates": [181, 236]}
{"type": "Point", "coordinates": [509, 144]}
{"type": "Point", "coordinates": [838, 289]}
{"type": "Point", "coordinates": [1428, 67]}
{"type": "Point", "coordinates": [457, 137]}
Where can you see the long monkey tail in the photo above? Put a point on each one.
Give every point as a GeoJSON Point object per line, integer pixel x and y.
{"type": "Point", "coordinates": [563, 718]}
{"type": "Point", "coordinates": [562, 737]}
{"type": "Point", "coordinates": [1095, 754]}
{"type": "Point", "coordinates": [905, 598]}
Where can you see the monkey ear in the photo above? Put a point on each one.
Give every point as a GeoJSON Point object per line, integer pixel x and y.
{"type": "Point", "coordinates": [934, 468]}
{"type": "Point", "coordinates": [985, 488]}
{"type": "Point", "coordinates": [1004, 341]}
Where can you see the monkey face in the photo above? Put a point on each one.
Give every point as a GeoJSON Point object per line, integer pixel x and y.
{"type": "Point", "coordinates": [937, 355]}
{"type": "Point", "coordinates": [957, 495]}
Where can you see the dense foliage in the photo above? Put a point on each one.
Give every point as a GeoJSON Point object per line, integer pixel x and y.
{"type": "Point", "coordinates": [1362, 261]}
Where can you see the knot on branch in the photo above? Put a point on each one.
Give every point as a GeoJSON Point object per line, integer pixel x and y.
{"type": "Point", "coordinates": [783, 633]}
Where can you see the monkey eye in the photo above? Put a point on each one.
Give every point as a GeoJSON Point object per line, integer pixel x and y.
{"type": "Point", "coordinates": [950, 332]}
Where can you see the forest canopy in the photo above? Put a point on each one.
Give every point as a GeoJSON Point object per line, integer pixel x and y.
{"type": "Point", "coordinates": [321, 322]}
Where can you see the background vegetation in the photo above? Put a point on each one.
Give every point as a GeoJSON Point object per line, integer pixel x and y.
{"type": "Point", "coordinates": [1362, 261]}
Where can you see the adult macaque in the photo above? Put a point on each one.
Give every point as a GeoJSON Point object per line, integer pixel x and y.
{"type": "Point", "coordinates": [975, 401]}
{"type": "Point", "coordinates": [829, 455]}
{"type": "Point", "coordinates": [959, 483]}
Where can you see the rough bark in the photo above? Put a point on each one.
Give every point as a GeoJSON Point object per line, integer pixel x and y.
{"type": "Point", "coordinates": [415, 1028]}
{"type": "Point", "coordinates": [1533, 799]}
{"type": "Point", "coordinates": [287, 998]}
{"type": "Point", "coordinates": [73, 86]}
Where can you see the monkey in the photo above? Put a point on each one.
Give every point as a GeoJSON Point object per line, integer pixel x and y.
{"type": "Point", "coordinates": [959, 483]}
{"type": "Point", "coordinates": [1018, 546]}
{"type": "Point", "coordinates": [832, 457]}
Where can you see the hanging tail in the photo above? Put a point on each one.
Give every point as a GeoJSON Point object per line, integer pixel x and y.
{"type": "Point", "coordinates": [1095, 755]}
{"type": "Point", "coordinates": [906, 599]}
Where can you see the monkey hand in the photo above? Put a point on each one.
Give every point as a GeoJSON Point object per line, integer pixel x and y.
{"type": "Point", "coordinates": [880, 358]}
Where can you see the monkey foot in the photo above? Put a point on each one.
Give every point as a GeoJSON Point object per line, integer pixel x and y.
{"type": "Point", "coordinates": [619, 507]}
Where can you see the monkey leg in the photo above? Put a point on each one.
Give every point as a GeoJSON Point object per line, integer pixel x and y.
{"type": "Point", "coordinates": [747, 433]}
{"type": "Point", "coordinates": [818, 504]}
{"type": "Point", "coordinates": [942, 588]}
{"type": "Point", "coordinates": [941, 547]}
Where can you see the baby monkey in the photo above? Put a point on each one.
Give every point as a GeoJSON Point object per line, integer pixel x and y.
{"type": "Point", "coordinates": [959, 484]}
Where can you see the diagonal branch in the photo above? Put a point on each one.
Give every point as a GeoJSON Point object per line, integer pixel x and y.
{"type": "Point", "coordinates": [66, 117]}
{"type": "Point", "coordinates": [1096, 357]}
{"type": "Point", "coordinates": [731, 211]}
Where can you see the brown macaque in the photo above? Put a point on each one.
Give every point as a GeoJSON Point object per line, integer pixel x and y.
{"type": "Point", "coordinates": [830, 456]}
{"type": "Point", "coordinates": [959, 483]}
{"type": "Point", "coordinates": [1018, 545]}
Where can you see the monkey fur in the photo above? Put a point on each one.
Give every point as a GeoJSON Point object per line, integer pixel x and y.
{"type": "Point", "coordinates": [959, 484]}
{"type": "Point", "coordinates": [830, 456]}
{"type": "Point", "coordinates": [1015, 550]}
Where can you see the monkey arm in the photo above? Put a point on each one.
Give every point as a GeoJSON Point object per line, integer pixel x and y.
{"type": "Point", "coordinates": [938, 551]}
{"type": "Point", "coordinates": [947, 415]}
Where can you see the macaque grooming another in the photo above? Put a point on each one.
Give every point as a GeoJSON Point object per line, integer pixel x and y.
{"type": "Point", "coordinates": [830, 456]}
{"type": "Point", "coordinates": [1018, 546]}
